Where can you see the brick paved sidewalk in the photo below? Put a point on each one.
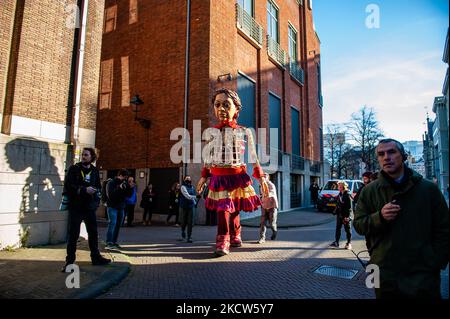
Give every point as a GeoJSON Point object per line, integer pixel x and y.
{"type": "Point", "coordinates": [298, 218]}
{"type": "Point", "coordinates": [35, 273]}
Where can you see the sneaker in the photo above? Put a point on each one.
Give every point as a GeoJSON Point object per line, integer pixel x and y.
{"type": "Point", "coordinates": [274, 235]}
{"type": "Point", "coordinates": [63, 269]}
{"type": "Point", "coordinates": [100, 260]}
{"type": "Point", "coordinates": [110, 246]}
{"type": "Point", "coordinates": [348, 246]}
{"type": "Point", "coordinates": [236, 241]}
{"type": "Point", "coordinates": [222, 252]}
{"type": "Point", "coordinates": [115, 245]}
{"type": "Point", "coordinates": [334, 244]}
{"type": "Point", "coordinates": [189, 240]}
{"type": "Point", "coordinates": [261, 241]}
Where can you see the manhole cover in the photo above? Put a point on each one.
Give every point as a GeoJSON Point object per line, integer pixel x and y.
{"type": "Point", "coordinates": [336, 272]}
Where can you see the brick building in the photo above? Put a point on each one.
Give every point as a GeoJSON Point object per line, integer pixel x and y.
{"type": "Point", "coordinates": [49, 70]}
{"type": "Point", "coordinates": [267, 50]}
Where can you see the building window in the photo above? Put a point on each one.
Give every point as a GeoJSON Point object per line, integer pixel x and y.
{"type": "Point", "coordinates": [295, 126]}
{"type": "Point", "coordinates": [272, 21]}
{"type": "Point", "coordinates": [247, 92]}
{"type": "Point", "coordinates": [133, 11]}
{"type": "Point", "coordinates": [106, 84]}
{"type": "Point", "coordinates": [110, 19]}
{"type": "Point", "coordinates": [292, 42]}
{"type": "Point", "coordinates": [310, 4]}
{"type": "Point", "coordinates": [247, 5]}
{"type": "Point", "coordinates": [125, 81]}
{"type": "Point", "coordinates": [275, 116]}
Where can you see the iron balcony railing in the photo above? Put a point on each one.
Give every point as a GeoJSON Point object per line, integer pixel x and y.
{"type": "Point", "coordinates": [275, 51]}
{"type": "Point", "coordinates": [314, 167]}
{"type": "Point", "coordinates": [296, 71]}
{"type": "Point", "coordinates": [297, 162]}
{"type": "Point", "coordinates": [248, 25]}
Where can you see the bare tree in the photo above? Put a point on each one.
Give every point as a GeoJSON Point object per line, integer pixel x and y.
{"type": "Point", "coordinates": [335, 145]}
{"type": "Point", "coordinates": [365, 133]}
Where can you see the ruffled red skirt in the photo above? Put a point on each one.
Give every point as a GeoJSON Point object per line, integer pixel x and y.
{"type": "Point", "coordinates": [232, 193]}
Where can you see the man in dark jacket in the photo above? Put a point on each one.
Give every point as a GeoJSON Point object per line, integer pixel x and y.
{"type": "Point", "coordinates": [407, 219]}
{"type": "Point", "coordinates": [314, 190]}
{"type": "Point", "coordinates": [82, 186]}
{"type": "Point", "coordinates": [117, 190]}
{"type": "Point", "coordinates": [188, 199]}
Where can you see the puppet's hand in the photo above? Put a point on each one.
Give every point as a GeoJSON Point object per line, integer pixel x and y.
{"type": "Point", "coordinates": [200, 184]}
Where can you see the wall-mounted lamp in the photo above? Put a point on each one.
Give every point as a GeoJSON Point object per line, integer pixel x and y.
{"type": "Point", "coordinates": [141, 174]}
{"type": "Point", "coordinates": [136, 101]}
{"type": "Point", "coordinates": [228, 77]}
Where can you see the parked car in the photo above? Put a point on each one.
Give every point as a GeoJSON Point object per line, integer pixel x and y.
{"type": "Point", "coordinates": [328, 194]}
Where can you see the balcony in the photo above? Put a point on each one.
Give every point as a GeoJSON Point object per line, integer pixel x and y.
{"type": "Point", "coordinates": [314, 167]}
{"type": "Point", "coordinates": [297, 162]}
{"type": "Point", "coordinates": [275, 52]}
{"type": "Point", "coordinates": [297, 72]}
{"type": "Point", "coordinates": [249, 26]}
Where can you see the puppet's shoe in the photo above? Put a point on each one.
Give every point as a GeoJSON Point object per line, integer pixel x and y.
{"type": "Point", "coordinates": [236, 241]}
{"type": "Point", "coordinates": [222, 245]}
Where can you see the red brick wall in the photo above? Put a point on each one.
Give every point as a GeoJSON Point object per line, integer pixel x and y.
{"type": "Point", "coordinates": [7, 12]}
{"type": "Point", "coordinates": [91, 70]}
{"type": "Point", "coordinates": [155, 45]}
{"type": "Point", "coordinates": [44, 60]}
{"type": "Point", "coordinates": [315, 112]}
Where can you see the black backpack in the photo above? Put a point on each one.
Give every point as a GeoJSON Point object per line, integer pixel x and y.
{"type": "Point", "coordinates": [104, 192]}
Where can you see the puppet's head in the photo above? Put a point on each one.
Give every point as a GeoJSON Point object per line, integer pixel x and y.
{"type": "Point", "coordinates": [227, 105]}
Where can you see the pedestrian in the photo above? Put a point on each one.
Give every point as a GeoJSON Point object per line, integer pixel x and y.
{"type": "Point", "coordinates": [148, 203]}
{"type": "Point", "coordinates": [407, 220]}
{"type": "Point", "coordinates": [314, 190]}
{"type": "Point", "coordinates": [174, 203]}
{"type": "Point", "coordinates": [366, 180]}
{"type": "Point", "coordinates": [374, 176]}
{"type": "Point", "coordinates": [188, 200]}
{"type": "Point", "coordinates": [343, 212]}
{"type": "Point", "coordinates": [268, 211]}
{"type": "Point", "coordinates": [83, 189]}
{"type": "Point", "coordinates": [117, 190]}
{"type": "Point", "coordinates": [130, 202]}
{"type": "Point", "coordinates": [230, 189]}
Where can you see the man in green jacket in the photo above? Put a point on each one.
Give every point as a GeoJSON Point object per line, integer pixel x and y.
{"type": "Point", "coordinates": [406, 219]}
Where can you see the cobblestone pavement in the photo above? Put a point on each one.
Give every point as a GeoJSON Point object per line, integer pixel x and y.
{"type": "Point", "coordinates": [163, 267]}
{"type": "Point", "coordinates": [34, 273]}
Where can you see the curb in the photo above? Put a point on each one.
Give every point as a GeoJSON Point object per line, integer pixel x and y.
{"type": "Point", "coordinates": [108, 279]}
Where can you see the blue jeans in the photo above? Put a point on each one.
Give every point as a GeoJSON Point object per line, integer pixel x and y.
{"type": "Point", "coordinates": [115, 217]}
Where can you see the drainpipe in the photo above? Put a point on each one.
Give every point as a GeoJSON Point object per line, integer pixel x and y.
{"type": "Point", "coordinates": [75, 128]}
{"type": "Point", "coordinates": [186, 79]}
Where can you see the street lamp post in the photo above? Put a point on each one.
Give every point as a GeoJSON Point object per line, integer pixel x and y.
{"type": "Point", "coordinates": [145, 123]}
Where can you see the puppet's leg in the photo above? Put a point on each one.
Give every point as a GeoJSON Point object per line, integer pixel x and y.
{"type": "Point", "coordinates": [223, 233]}
{"type": "Point", "coordinates": [235, 230]}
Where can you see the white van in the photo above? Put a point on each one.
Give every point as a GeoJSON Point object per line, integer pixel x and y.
{"type": "Point", "coordinates": [328, 193]}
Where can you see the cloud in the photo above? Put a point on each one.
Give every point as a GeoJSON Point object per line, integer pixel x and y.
{"type": "Point", "coordinates": [396, 87]}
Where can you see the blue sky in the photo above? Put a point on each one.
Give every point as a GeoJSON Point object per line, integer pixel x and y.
{"type": "Point", "coordinates": [397, 68]}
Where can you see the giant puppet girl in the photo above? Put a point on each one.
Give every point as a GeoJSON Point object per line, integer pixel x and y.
{"type": "Point", "coordinates": [230, 187]}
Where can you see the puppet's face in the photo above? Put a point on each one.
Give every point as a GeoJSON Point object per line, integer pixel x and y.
{"type": "Point", "coordinates": [224, 108]}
